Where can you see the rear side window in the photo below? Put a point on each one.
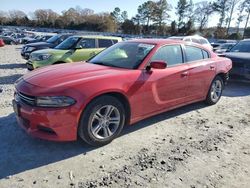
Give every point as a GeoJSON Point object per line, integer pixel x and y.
{"type": "Point", "coordinates": [104, 43]}
{"type": "Point", "coordinates": [203, 41]}
{"type": "Point", "coordinates": [205, 54]}
{"type": "Point", "coordinates": [187, 39]}
{"type": "Point", "coordinates": [196, 40]}
{"type": "Point", "coordinates": [193, 53]}
{"type": "Point", "coordinates": [172, 54]}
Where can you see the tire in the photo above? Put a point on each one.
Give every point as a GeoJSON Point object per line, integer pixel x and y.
{"type": "Point", "coordinates": [59, 62]}
{"type": "Point", "coordinates": [215, 91]}
{"type": "Point", "coordinates": [99, 123]}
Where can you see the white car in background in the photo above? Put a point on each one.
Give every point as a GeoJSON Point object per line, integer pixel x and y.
{"type": "Point", "coordinates": [194, 38]}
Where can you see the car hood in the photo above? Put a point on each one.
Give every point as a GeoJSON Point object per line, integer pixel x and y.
{"type": "Point", "coordinates": [49, 51]}
{"type": "Point", "coordinates": [38, 44]}
{"type": "Point", "coordinates": [238, 56]}
{"type": "Point", "coordinates": [67, 74]}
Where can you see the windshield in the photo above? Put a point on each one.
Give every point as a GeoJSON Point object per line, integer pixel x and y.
{"type": "Point", "coordinates": [226, 46]}
{"type": "Point", "coordinates": [69, 43]}
{"type": "Point", "coordinates": [128, 55]}
{"type": "Point", "coordinates": [53, 39]}
{"type": "Point", "coordinates": [243, 46]}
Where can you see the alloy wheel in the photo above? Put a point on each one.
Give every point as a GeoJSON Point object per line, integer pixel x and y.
{"type": "Point", "coordinates": [105, 122]}
{"type": "Point", "coordinates": [216, 90]}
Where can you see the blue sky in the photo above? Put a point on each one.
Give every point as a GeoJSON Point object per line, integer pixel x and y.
{"type": "Point", "coordinates": [98, 6]}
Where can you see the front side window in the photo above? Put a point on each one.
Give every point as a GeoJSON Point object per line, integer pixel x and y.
{"type": "Point", "coordinates": [69, 43]}
{"type": "Point", "coordinates": [53, 39]}
{"type": "Point", "coordinates": [193, 53]}
{"type": "Point", "coordinates": [86, 43]}
{"type": "Point", "coordinates": [127, 55]}
{"type": "Point", "coordinates": [171, 54]}
{"type": "Point", "coordinates": [104, 43]}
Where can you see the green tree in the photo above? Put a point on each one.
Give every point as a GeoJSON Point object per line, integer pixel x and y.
{"type": "Point", "coordinates": [146, 13]}
{"type": "Point", "coordinates": [160, 13]}
{"type": "Point", "coordinates": [124, 16]}
{"type": "Point", "coordinates": [116, 14]}
{"type": "Point", "coordinates": [182, 10]}
{"type": "Point", "coordinates": [128, 27]}
{"type": "Point", "coordinates": [173, 28]}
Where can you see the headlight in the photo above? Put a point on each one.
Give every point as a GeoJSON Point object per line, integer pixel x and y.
{"type": "Point", "coordinates": [40, 57]}
{"type": "Point", "coordinates": [57, 101]}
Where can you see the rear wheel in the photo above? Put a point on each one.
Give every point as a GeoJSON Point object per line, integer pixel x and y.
{"type": "Point", "coordinates": [102, 121]}
{"type": "Point", "coordinates": [215, 91]}
{"type": "Point", "coordinates": [59, 62]}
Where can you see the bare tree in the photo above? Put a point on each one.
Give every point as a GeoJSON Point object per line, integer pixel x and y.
{"type": "Point", "coordinates": [247, 9]}
{"type": "Point", "coordinates": [233, 5]}
{"type": "Point", "coordinates": [46, 17]}
{"type": "Point", "coordinates": [222, 7]}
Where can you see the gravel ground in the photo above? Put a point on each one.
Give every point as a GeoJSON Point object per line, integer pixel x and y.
{"type": "Point", "coordinates": [193, 146]}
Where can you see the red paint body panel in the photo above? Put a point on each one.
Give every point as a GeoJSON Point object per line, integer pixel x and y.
{"type": "Point", "coordinates": [148, 92]}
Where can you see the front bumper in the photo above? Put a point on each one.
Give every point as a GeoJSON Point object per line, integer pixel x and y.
{"type": "Point", "coordinates": [48, 124]}
{"type": "Point", "coordinates": [56, 124]}
{"type": "Point", "coordinates": [29, 66]}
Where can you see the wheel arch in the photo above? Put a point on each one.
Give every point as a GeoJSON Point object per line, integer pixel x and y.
{"type": "Point", "coordinates": [58, 62]}
{"type": "Point", "coordinates": [224, 76]}
{"type": "Point", "coordinates": [118, 95]}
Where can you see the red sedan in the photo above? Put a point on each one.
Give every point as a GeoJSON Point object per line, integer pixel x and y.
{"type": "Point", "coordinates": [123, 84]}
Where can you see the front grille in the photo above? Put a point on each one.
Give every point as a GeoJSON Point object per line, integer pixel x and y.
{"type": "Point", "coordinates": [30, 100]}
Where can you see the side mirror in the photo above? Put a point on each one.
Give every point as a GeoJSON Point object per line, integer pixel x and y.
{"type": "Point", "coordinates": [158, 64]}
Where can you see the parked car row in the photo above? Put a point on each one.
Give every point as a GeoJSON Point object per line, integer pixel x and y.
{"type": "Point", "coordinates": [65, 48]}
{"type": "Point", "coordinates": [50, 43]}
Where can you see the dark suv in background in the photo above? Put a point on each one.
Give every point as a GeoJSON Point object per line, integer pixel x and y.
{"type": "Point", "coordinates": [50, 43]}
{"type": "Point", "coordinates": [240, 56]}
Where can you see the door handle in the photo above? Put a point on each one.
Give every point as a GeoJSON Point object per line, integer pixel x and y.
{"type": "Point", "coordinates": [212, 67]}
{"type": "Point", "coordinates": [184, 74]}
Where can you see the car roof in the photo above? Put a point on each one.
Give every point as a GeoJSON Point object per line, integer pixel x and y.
{"type": "Point", "coordinates": [246, 39]}
{"type": "Point", "coordinates": [99, 37]}
{"type": "Point", "coordinates": [157, 41]}
{"type": "Point", "coordinates": [162, 42]}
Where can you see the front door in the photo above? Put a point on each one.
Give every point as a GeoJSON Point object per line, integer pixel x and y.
{"type": "Point", "coordinates": [166, 88]}
{"type": "Point", "coordinates": [85, 49]}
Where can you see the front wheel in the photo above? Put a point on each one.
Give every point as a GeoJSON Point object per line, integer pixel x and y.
{"type": "Point", "coordinates": [215, 91]}
{"type": "Point", "coordinates": [102, 121]}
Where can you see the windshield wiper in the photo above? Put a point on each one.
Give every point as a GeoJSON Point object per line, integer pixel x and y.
{"type": "Point", "coordinates": [105, 64]}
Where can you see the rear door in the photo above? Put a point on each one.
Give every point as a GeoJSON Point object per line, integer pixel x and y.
{"type": "Point", "coordinates": [165, 88]}
{"type": "Point", "coordinates": [201, 71]}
